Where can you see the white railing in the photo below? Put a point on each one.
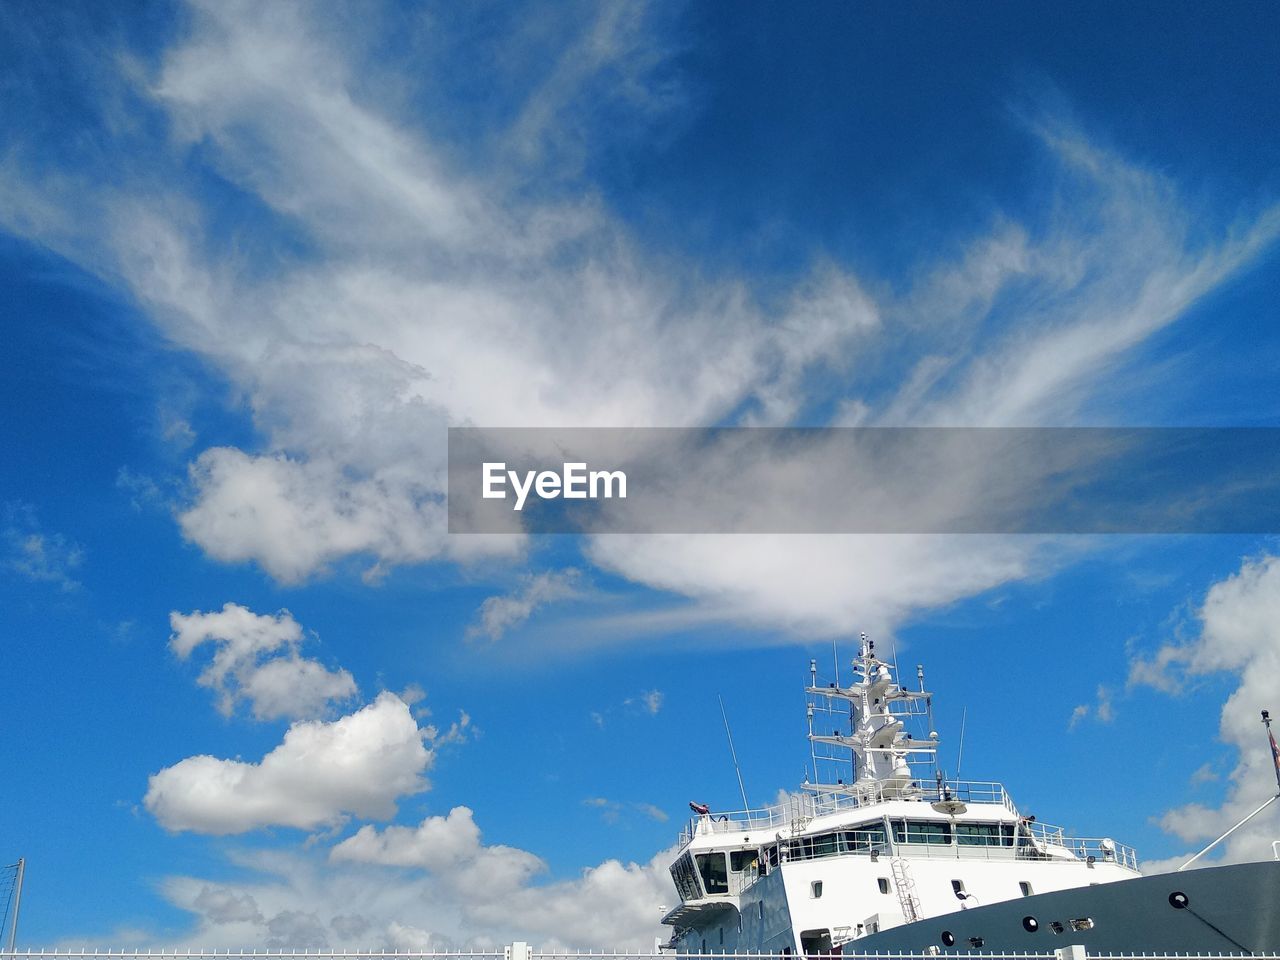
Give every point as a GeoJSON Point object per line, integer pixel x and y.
{"type": "Point", "coordinates": [1100, 848]}
{"type": "Point", "coordinates": [522, 951]}
{"type": "Point", "coordinates": [811, 805]}
{"type": "Point", "coordinates": [805, 807]}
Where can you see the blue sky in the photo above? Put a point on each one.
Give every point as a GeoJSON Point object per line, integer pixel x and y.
{"type": "Point", "coordinates": [256, 261]}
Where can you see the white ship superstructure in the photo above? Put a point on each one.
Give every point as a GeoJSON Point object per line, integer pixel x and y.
{"type": "Point", "coordinates": [878, 855]}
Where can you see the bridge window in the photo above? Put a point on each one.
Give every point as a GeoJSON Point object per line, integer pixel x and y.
{"type": "Point", "coordinates": [825, 845]}
{"type": "Point", "coordinates": [921, 831]}
{"type": "Point", "coordinates": [984, 834]}
{"type": "Point", "coordinates": [715, 878]}
{"type": "Point", "coordinates": [740, 860]}
{"type": "Point", "coordinates": [686, 883]}
{"type": "Point", "coordinates": [864, 839]}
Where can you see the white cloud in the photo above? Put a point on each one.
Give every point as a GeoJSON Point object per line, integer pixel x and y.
{"type": "Point", "coordinates": [222, 905]}
{"type": "Point", "coordinates": [144, 492]}
{"type": "Point", "coordinates": [611, 811]}
{"type": "Point", "coordinates": [257, 660]}
{"type": "Point", "coordinates": [321, 774]}
{"type": "Point", "coordinates": [36, 555]}
{"type": "Point", "coordinates": [295, 517]}
{"type": "Point", "coordinates": [1237, 636]}
{"type": "Point", "coordinates": [499, 614]}
{"type": "Point", "coordinates": [436, 844]}
{"type": "Point", "coordinates": [1078, 715]}
{"type": "Point", "coordinates": [391, 890]}
{"type": "Point", "coordinates": [494, 888]}
{"type": "Point", "coordinates": [650, 701]}
{"type": "Point", "coordinates": [1204, 774]}
{"type": "Point", "coordinates": [821, 583]}
{"type": "Point", "coordinates": [448, 847]}
{"type": "Point", "coordinates": [436, 292]}
{"type": "Point", "coordinates": [1103, 709]}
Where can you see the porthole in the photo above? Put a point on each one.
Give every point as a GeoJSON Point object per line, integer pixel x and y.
{"type": "Point", "coordinates": [948, 938]}
{"type": "Point", "coordinates": [1030, 924]}
{"type": "Point", "coordinates": [1179, 900]}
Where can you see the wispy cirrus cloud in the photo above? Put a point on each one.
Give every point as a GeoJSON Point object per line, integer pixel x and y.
{"type": "Point", "coordinates": [501, 613]}
{"type": "Point", "coordinates": [394, 290]}
{"type": "Point", "coordinates": [36, 554]}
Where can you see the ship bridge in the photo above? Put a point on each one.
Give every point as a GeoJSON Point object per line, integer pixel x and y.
{"type": "Point", "coordinates": [872, 821]}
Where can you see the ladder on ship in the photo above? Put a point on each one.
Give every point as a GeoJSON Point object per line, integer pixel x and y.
{"type": "Point", "coordinates": [906, 888]}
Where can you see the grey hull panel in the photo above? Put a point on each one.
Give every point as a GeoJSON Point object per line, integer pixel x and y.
{"type": "Point", "coordinates": [1228, 909]}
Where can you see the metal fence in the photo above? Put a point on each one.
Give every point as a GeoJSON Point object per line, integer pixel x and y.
{"type": "Point", "coordinates": [523, 951]}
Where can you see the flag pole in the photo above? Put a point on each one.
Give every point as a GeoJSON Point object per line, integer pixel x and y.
{"type": "Point", "coordinates": [1275, 757]}
{"type": "Point", "coordinates": [1275, 751]}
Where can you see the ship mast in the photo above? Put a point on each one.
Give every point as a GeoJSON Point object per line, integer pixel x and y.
{"type": "Point", "coordinates": [880, 749]}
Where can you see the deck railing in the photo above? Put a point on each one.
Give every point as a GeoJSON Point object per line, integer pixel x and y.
{"type": "Point", "coordinates": [523, 951]}
{"type": "Point", "coordinates": [1043, 842]}
{"type": "Point", "coordinates": [807, 806]}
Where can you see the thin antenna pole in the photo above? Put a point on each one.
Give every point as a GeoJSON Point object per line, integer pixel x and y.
{"type": "Point", "coordinates": [813, 748]}
{"type": "Point", "coordinates": [734, 754]}
{"type": "Point", "coordinates": [813, 752]}
{"type": "Point", "coordinates": [835, 659]}
{"type": "Point", "coordinates": [960, 754]}
{"type": "Point", "coordinates": [17, 903]}
{"type": "Point", "coordinates": [894, 640]}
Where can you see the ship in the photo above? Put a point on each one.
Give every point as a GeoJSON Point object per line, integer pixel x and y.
{"type": "Point", "coordinates": [874, 855]}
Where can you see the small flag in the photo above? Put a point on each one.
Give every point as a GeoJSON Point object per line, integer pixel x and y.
{"type": "Point", "coordinates": [1275, 753]}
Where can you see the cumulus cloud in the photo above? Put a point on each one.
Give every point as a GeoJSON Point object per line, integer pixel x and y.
{"type": "Point", "coordinates": [1236, 636]}
{"type": "Point", "coordinates": [447, 846]}
{"type": "Point", "coordinates": [493, 883]}
{"type": "Point", "coordinates": [321, 774]}
{"type": "Point", "coordinates": [499, 614]}
{"type": "Point", "coordinates": [256, 660]}
{"type": "Point", "coordinates": [222, 905]}
{"type": "Point", "coordinates": [391, 890]}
